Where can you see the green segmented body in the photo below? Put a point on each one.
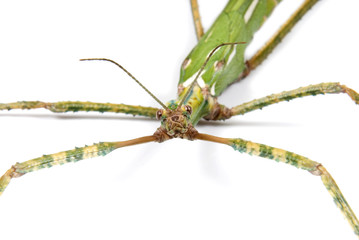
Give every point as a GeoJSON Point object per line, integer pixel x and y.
{"type": "Point", "coordinates": [237, 23]}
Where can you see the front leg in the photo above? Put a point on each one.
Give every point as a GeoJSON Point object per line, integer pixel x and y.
{"type": "Point", "coordinates": [74, 155]}
{"type": "Point", "coordinates": [293, 159]}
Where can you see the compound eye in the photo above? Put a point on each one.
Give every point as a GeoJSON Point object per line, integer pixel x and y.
{"type": "Point", "coordinates": [188, 108]}
{"type": "Point", "coordinates": [159, 114]}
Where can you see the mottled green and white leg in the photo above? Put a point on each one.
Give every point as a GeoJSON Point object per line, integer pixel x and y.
{"type": "Point", "coordinates": [77, 106]}
{"type": "Point", "coordinates": [312, 90]}
{"type": "Point", "coordinates": [293, 159]}
{"type": "Point", "coordinates": [74, 155]}
{"type": "Point", "coordinates": [267, 49]}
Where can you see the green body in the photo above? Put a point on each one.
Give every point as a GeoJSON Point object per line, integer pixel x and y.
{"type": "Point", "coordinates": [238, 22]}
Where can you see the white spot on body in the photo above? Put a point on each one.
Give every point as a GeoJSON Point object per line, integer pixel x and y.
{"type": "Point", "coordinates": [213, 89]}
{"type": "Point", "coordinates": [231, 56]}
{"type": "Point", "coordinates": [186, 63]}
{"type": "Point", "coordinates": [250, 10]}
{"type": "Point", "coordinates": [200, 81]}
{"type": "Point", "coordinates": [209, 35]}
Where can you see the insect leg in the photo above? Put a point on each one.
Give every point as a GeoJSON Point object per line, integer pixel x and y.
{"type": "Point", "coordinates": [267, 49]}
{"type": "Point", "coordinates": [76, 106]}
{"type": "Point", "coordinates": [74, 155]}
{"type": "Point", "coordinates": [311, 90]}
{"type": "Point", "coordinates": [293, 159]}
{"type": "Point", "coordinates": [197, 19]}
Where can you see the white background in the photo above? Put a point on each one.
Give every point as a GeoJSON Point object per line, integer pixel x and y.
{"type": "Point", "coordinates": [178, 189]}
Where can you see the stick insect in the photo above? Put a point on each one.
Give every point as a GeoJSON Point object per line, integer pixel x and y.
{"type": "Point", "coordinates": [184, 179]}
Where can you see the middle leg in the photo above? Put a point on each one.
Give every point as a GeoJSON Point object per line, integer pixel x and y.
{"type": "Point", "coordinates": [222, 112]}
{"type": "Point", "coordinates": [76, 106]}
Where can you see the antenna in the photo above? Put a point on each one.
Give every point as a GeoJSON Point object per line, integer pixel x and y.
{"type": "Point", "coordinates": [129, 74]}
{"type": "Point", "coordinates": [201, 69]}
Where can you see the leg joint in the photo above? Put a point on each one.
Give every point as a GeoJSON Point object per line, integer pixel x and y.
{"type": "Point", "coordinates": [318, 171]}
